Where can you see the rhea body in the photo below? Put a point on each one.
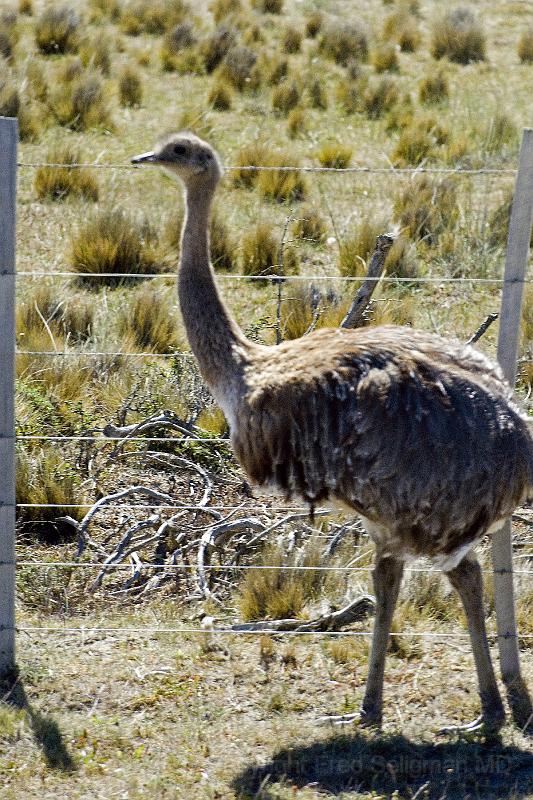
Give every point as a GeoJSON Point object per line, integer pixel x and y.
{"type": "Point", "coordinates": [417, 434]}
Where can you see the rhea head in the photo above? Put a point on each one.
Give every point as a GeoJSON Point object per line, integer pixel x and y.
{"type": "Point", "coordinates": [186, 156]}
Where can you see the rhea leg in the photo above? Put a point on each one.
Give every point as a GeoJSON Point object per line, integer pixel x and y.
{"type": "Point", "coordinates": [467, 580]}
{"type": "Point", "coordinates": [387, 576]}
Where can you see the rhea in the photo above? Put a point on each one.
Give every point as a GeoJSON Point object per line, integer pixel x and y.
{"type": "Point", "coordinates": [419, 435]}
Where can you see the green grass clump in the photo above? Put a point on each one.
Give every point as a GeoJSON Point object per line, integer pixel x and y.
{"type": "Point", "coordinates": [458, 36]}
{"type": "Point", "coordinates": [402, 27]}
{"type": "Point", "coordinates": [317, 94]}
{"type": "Point", "coordinates": [130, 86]}
{"type": "Point", "coordinates": [52, 183]}
{"type": "Point", "coordinates": [237, 68]}
{"type": "Point", "coordinates": [499, 222]}
{"type": "Point", "coordinates": [26, 7]}
{"type": "Point", "coordinates": [282, 185]}
{"type": "Point", "coordinates": [222, 244]}
{"type": "Point", "coordinates": [433, 88]}
{"type": "Point", "coordinates": [82, 103]}
{"type": "Point", "coordinates": [113, 242]}
{"type": "Point", "coordinates": [214, 47]}
{"type": "Point", "coordinates": [379, 97]}
{"type": "Point", "coordinates": [385, 58]}
{"type": "Point", "coordinates": [260, 251]}
{"type": "Point", "coordinates": [335, 155]}
{"type": "Point", "coordinates": [341, 41]}
{"type": "Point", "coordinates": [297, 122]}
{"type": "Point", "coordinates": [255, 154]}
{"type": "Point", "coordinates": [280, 593]}
{"type": "Point", "coordinates": [415, 145]}
{"type": "Point", "coordinates": [348, 95]}
{"type": "Point", "coordinates": [356, 248]}
{"type": "Point", "coordinates": [153, 16]}
{"type": "Point", "coordinates": [525, 47]}
{"type": "Point", "coordinates": [268, 6]}
{"type": "Point", "coordinates": [313, 24]}
{"type": "Point", "coordinates": [15, 104]}
{"type": "Point", "coordinates": [57, 30]}
{"type": "Point", "coordinates": [149, 321]}
{"type": "Point", "coordinates": [310, 226]}
{"type": "Point", "coordinates": [100, 10]}
{"type": "Point", "coordinates": [179, 38]}
{"type": "Point", "coordinates": [8, 34]}
{"type": "Point", "coordinates": [501, 134]}
{"type": "Point", "coordinates": [291, 41]}
{"type": "Point", "coordinates": [286, 96]}
{"type": "Point", "coordinates": [426, 208]}
{"type": "Point", "coordinates": [276, 69]}
{"type": "Point", "coordinates": [220, 97]}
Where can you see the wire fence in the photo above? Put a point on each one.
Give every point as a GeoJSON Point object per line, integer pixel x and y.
{"type": "Point", "coordinates": [511, 281]}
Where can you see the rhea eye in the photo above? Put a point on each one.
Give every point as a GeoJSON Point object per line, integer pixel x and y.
{"type": "Point", "coordinates": [179, 150]}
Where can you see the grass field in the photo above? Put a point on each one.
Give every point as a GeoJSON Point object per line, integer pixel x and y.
{"type": "Point", "coordinates": [133, 713]}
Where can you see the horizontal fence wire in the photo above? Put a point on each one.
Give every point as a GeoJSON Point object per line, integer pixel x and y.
{"type": "Point", "coordinates": [277, 278]}
{"type": "Point", "coordinates": [261, 632]}
{"type": "Point", "coordinates": [389, 170]}
{"type": "Point", "coordinates": [108, 567]}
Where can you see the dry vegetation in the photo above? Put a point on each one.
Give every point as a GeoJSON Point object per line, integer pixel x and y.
{"type": "Point", "coordinates": [275, 84]}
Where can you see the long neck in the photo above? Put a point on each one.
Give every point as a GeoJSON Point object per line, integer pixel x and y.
{"type": "Point", "coordinates": [215, 338]}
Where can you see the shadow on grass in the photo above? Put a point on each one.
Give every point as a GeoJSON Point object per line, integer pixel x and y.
{"type": "Point", "coordinates": [388, 764]}
{"type": "Point", "coordinates": [45, 730]}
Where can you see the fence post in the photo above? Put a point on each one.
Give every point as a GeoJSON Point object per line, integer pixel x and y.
{"type": "Point", "coordinates": [510, 314]}
{"type": "Point", "coordinates": [8, 169]}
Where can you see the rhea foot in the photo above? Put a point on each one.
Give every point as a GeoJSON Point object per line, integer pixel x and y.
{"type": "Point", "coordinates": [362, 718]}
{"type": "Point", "coordinates": [485, 725]}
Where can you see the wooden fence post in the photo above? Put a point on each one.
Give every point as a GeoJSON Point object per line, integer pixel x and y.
{"type": "Point", "coordinates": [8, 170]}
{"type": "Point", "coordinates": [510, 314]}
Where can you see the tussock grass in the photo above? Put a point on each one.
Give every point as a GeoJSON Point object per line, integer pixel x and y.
{"type": "Point", "coordinates": [525, 47]}
{"type": "Point", "coordinates": [384, 58]}
{"type": "Point", "coordinates": [43, 476]}
{"type": "Point", "coordinates": [153, 16]}
{"type": "Point", "coordinates": [459, 37]}
{"type": "Point", "coordinates": [317, 94]}
{"type": "Point", "coordinates": [35, 79]}
{"type": "Point", "coordinates": [260, 251]}
{"type": "Point", "coordinates": [268, 6]}
{"type": "Point", "coordinates": [14, 104]}
{"type": "Point", "coordinates": [358, 246]}
{"type": "Point", "coordinates": [433, 88]}
{"type": "Point", "coordinates": [282, 185]}
{"type": "Point", "coordinates": [335, 154]}
{"type": "Point", "coordinates": [346, 651]}
{"type": "Point", "coordinates": [310, 226]}
{"type": "Point", "coordinates": [179, 38]}
{"type": "Point", "coordinates": [255, 154]}
{"type": "Point", "coordinates": [150, 320]}
{"type": "Point", "coordinates": [8, 34]}
{"type": "Point", "coordinates": [220, 9]}
{"type": "Point", "coordinates": [280, 593]}
{"type": "Point", "coordinates": [291, 41]}
{"type": "Point", "coordinates": [286, 96]}
{"type": "Point", "coordinates": [277, 69]}
{"type": "Point", "coordinates": [130, 86]}
{"type": "Point", "coordinates": [499, 222]}
{"type": "Point", "coordinates": [95, 53]}
{"type": "Point", "coordinates": [46, 316]}
{"type": "Point", "coordinates": [348, 94]}
{"type": "Point", "coordinates": [313, 24]}
{"type": "Point", "coordinates": [26, 7]}
{"type": "Point", "coordinates": [237, 68]}
{"type": "Point", "coordinates": [222, 245]}
{"type": "Point", "coordinates": [415, 145]}
{"type": "Point", "coordinates": [397, 309]}
{"type": "Point", "coordinates": [100, 10]}
{"type": "Point", "coordinates": [214, 47]}
{"type": "Point", "coordinates": [9, 96]}
{"type": "Point", "coordinates": [53, 183]}
{"type": "Point", "coordinates": [297, 122]}
{"type": "Point", "coordinates": [308, 305]}
{"type": "Point", "coordinates": [501, 134]}
{"type": "Point", "coordinates": [341, 41]}
{"type": "Point", "coordinates": [220, 96]}
{"type": "Point", "coordinates": [379, 97]}
{"type": "Point", "coordinates": [426, 208]}
{"type": "Point", "coordinates": [111, 241]}
{"type": "Point", "coordinates": [57, 30]}
{"type": "Point", "coordinates": [402, 27]}
{"type": "Point", "coordinates": [82, 103]}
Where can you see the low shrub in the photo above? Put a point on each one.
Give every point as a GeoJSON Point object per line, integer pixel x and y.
{"type": "Point", "coordinates": [57, 30]}
{"type": "Point", "coordinates": [341, 41]}
{"type": "Point", "coordinates": [111, 245]}
{"type": "Point", "coordinates": [291, 41]}
{"type": "Point", "coordinates": [458, 36]}
{"type": "Point", "coordinates": [335, 155]}
{"type": "Point", "coordinates": [385, 58]}
{"type": "Point", "coordinates": [52, 183]}
{"type": "Point", "coordinates": [525, 47]}
{"type": "Point", "coordinates": [426, 208]}
{"type": "Point", "coordinates": [433, 88]}
{"type": "Point", "coordinates": [130, 87]}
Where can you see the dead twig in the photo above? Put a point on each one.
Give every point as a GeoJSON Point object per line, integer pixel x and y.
{"type": "Point", "coordinates": [482, 328]}
{"type": "Point", "coordinates": [353, 612]}
{"type": "Point", "coordinates": [354, 316]}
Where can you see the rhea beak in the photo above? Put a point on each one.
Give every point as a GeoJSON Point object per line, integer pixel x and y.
{"type": "Point", "coordinates": [144, 158]}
